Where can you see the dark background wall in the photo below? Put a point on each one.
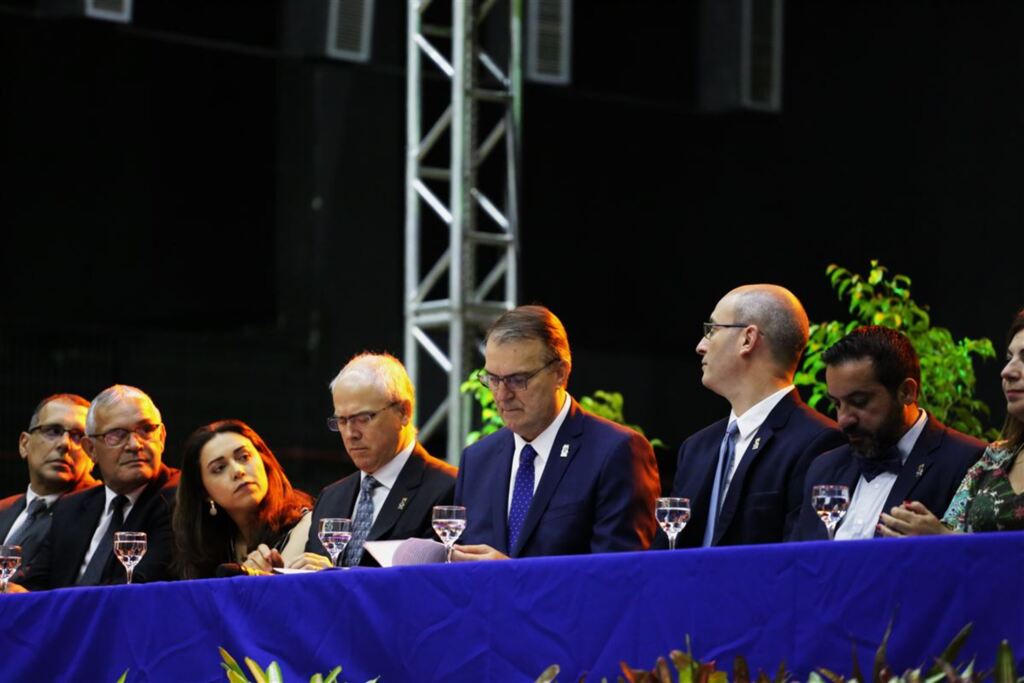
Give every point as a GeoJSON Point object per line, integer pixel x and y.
{"type": "Point", "coordinates": [189, 206]}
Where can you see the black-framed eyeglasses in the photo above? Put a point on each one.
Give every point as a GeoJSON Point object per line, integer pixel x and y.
{"type": "Point", "coordinates": [361, 420]}
{"type": "Point", "coordinates": [709, 327]}
{"type": "Point", "coordinates": [54, 432]}
{"type": "Point", "coordinates": [117, 437]}
{"type": "Point", "coordinates": [515, 382]}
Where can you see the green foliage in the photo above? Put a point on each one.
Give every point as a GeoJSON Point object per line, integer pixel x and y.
{"type": "Point", "coordinates": [691, 670]}
{"type": "Point", "coordinates": [606, 404]}
{"type": "Point", "coordinates": [947, 365]}
{"type": "Point", "coordinates": [272, 674]}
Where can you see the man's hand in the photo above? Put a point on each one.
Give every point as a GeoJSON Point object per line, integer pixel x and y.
{"type": "Point", "coordinates": [463, 553]}
{"type": "Point", "coordinates": [311, 561]}
{"type": "Point", "coordinates": [911, 519]}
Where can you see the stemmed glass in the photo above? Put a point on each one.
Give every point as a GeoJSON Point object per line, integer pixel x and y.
{"type": "Point", "coordinates": [334, 534]}
{"type": "Point", "coordinates": [10, 560]}
{"type": "Point", "coordinates": [449, 522]}
{"type": "Point", "coordinates": [129, 546]}
{"type": "Point", "coordinates": [830, 502]}
{"type": "Point", "coordinates": [672, 514]}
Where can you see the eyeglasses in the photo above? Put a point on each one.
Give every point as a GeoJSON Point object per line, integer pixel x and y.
{"type": "Point", "coordinates": [53, 432]}
{"type": "Point", "coordinates": [516, 382]}
{"type": "Point", "coordinates": [116, 437]}
{"type": "Point", "coordinates": [359, 420]}
{"type": "Point", "coordinates": [709, 328]}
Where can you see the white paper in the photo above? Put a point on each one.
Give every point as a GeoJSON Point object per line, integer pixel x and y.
{"type": "Point", "coordinates": [382, 551]}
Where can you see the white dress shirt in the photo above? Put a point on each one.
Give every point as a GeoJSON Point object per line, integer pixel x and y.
{"type": "Point", "coordinates": [30, 496]}
{"type": "Point", "coordinates": [108, 513]}
{"type": "Point", "coordinates": [386, 476]}
{"type": "Point", "coordinates": [542, 444]}
{"type": "Point", "coordinates": [869, 496]}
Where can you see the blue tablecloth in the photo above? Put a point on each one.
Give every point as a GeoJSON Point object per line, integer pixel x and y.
{"type": "Point", "coordinates": [507, 621]}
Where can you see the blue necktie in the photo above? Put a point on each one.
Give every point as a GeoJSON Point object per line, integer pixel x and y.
{"type": "Point", "coordinates": [36, 511]}
{"type": "Point", "coordinates": [362, 523]}
{"type": "Point", "coordinates": [726, 454]}
{"type": "Point", "coordinates": [522, 494]}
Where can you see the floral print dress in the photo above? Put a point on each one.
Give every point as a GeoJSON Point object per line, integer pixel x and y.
{"type": "Point", "coordinates": [985, 500]}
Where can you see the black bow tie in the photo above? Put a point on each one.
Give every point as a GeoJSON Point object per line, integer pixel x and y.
{"type": "Point", "coordinates": [889, 460]}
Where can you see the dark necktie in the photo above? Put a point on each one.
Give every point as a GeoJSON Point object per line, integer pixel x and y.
{"type": "Point", "coordinates": [36, 513]}
{"type": "Point", "coordinates": [94, 572]}
{"type": "Point", "coordinates": [726, 454]}
{"type": "Point", "coordinates": [362, 523]}
{"type": "Point", "coordinates": [889, 460]}
{"type": "Point", "coordinates": [522, 495]}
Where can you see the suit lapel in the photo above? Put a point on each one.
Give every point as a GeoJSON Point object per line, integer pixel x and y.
{"type": "Point", "coordinates": [8, 516]}
{"type": "Point", "coordinates": [86, 517]}
{"type": "Point", "coordinates": [401, 493]}
{"type": "Point", "coordinates": [503, 452]}
{"type": "Point", "coordinates": [918, 462]}
{"type": "Point", "coordinates": [567, 440]}
{"type": "Point", "coordinates": [776, 419]}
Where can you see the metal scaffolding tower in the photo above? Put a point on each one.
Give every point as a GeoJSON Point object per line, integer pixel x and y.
{"type": "Point", "coordinates": [444, 320]}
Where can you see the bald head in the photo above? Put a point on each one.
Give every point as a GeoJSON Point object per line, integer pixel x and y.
{"type": "Point", "coordinates": [779, 316]}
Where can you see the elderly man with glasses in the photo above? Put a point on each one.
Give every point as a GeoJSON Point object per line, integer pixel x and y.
{"type": "Point", "coordinates": [397, 485]}
{"type": "Point", "coordinates": [57, 465]}
{"type": "Point", "coordinates": [556, 480]}
{"type": "Point", "coordinates": [125, 437]}
{"type": "Point", "coordinates": [744, 474]}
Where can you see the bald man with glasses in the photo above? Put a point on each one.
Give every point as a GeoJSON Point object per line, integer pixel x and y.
{"type": "Point", "coordinates": [556, 480]}
{"type": "Point", "coordinates": [57, 465]}
{"type": "Point", "coordinates": [124, 436]}
{"type": "Point", "coordinates": [744, 474]}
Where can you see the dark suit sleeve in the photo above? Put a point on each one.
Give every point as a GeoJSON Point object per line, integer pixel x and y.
{"type": "Point", "coordinates": [38, 576]}
{"type": "Point", "coordinates": [628, 486]}
{"type": "Point", "coordinates": [795, 488]}
{"type": "Point", "coordinates": [156, 564]}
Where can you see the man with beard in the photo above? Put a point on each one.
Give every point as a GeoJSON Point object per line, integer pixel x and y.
{"type": "Point", "coordinates": [57, 465]}
{"type": "Point", "coordinates": [897, 452]}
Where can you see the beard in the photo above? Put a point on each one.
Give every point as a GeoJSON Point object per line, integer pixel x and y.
{"type": "Point", "coordinates": [872, 444]}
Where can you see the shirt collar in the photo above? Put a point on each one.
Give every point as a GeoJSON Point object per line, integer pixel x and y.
{"type": "Point", "coordinates": [31, 495]}
{"type": "Point", "coordinates": [132, 496]}
{"type": "Point", "coordinates": [909, 440]}
{"type": "Point", "coordinates": [751, 420]}
{"type": "Point", "coordinates": [388, 474]}
{"type": "Point", "coordinates": [546, 439]}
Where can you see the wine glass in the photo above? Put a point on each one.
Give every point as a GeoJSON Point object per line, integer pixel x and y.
{"type": "Point", "coordinates": [10, 560]}
{"type": "Point", "coordinates": [672, 514]}
{"type": "Point", "coordinates": [830, 502]}
{"type": "Point", "coordinates": [334, 534]}
{"type": "Point", "coordinates": [129, 546]}
{"type": "Point", "coordinates": [449, 522]}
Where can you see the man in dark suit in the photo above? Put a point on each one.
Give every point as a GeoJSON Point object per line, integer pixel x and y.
{"type": "Point", "coordinates": [897, 452]}
{"type": "Point", "coordinates": [125, 437]}
{"type": "Point", "coordinates": [57, 465]}
{"type": "Point", "coordinates": [393, 494]}
{"type": "Point", "coordinates": [556, 480]}
{"type": "Point", "coordinates": [744, 475]}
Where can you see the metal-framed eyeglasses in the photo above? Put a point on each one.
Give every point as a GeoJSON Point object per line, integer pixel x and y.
{"type": "Point", "coordinates": [117, 437]}
{"type": "Point", "coordinates": [360, 420]}
{"type": "Point", "coordinates": [514, 382]}
{"type": "Point", "coordinates": [709, 327]}
{"type": "Point", "coordinates": [54, 432]}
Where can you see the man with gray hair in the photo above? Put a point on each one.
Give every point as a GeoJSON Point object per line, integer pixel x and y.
{"type": "Point", "coordinates": [125, 438]}
{"type": "Point", "coordinates": [393, 494]}
{"type": "Point", "coordinates": [57, 465]}
{"type": "Point", "coordinates": [556, 480]}
{"type": "Point", "coordinates": [744, 475]}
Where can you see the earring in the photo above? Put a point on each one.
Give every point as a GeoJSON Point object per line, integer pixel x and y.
{"type": "Point", "coordinates": [213, 509]}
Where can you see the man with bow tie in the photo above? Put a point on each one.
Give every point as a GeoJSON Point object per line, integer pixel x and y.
{"type": "Point", "coordinates": [57, 464]}
{"type": "Point", "coordinates": [897, 452]}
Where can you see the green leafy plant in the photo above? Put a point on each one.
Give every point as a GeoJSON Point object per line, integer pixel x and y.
{"type": "Point", "coordinates": [689, 669]}
{"type": "Point", "coordinates": [272, 674]}
{"type": "Point", "coordinates": [606, 404]}
{"type": "Point", "coordinates": [947, 365]}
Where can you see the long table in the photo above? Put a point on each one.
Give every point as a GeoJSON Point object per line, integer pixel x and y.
{"type": "Point", "coordinates": [507, 621]}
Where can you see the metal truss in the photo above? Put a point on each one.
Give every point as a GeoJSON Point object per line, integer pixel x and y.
{"type": "Point", "coordinates": [479, 224]}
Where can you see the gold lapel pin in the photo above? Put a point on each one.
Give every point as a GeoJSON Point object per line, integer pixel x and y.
{"type": "Point", "coordinates": [920, 469]}
{"type": "Point", "coordinates": [401, 503]}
